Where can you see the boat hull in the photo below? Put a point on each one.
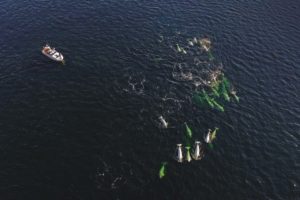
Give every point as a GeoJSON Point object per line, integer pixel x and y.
{"type": "Point", "coordinates": [58, 59]}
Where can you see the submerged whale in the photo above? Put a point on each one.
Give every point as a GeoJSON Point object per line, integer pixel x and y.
{"type": "Point", "coordinates": [188, 154]}
{"type": "Point", "coordinates": [188, 130]}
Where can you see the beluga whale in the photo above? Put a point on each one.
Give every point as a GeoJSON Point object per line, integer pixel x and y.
{"type": "Point", "coordinates": [163, 122]}
{"type": "Point", "coordinates": [178, 154]}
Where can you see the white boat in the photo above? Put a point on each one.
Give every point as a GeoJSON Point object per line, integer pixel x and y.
{"type": "Point", "coordinates": [198, 152]}
{"type": "Point", "coordinates": [52, 53]}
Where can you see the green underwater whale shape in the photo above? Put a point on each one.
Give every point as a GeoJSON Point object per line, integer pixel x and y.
{"type": "Point", "coordinates": [162, 170]}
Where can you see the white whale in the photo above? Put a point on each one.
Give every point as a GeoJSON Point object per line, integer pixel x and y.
{"type": "Point", "coordinates": [208, 137]}
{"type": "Point", "coordinates": [163, 122]}
{"type": "Point", "coordinates": [178, 153]}
{"type": "Point", "coordinates": [197, 153]}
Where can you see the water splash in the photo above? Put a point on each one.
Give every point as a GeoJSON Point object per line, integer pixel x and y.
{"type": "Point", "coordinates": [136, 85]}
{"type": "Point", "coordinates": [205, 43]}
{"type": "Point", "coordinates": [116, 181]}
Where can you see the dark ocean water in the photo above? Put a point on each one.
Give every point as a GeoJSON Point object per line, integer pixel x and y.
{"type": "Point", "coordinates": [83, 131]}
